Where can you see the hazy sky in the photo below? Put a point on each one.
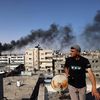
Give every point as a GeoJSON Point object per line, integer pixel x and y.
{"type": "Point", "coordinates": [19, 17]}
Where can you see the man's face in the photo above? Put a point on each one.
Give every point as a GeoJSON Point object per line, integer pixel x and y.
{"type": "Point", "coordinates": [74, 52]}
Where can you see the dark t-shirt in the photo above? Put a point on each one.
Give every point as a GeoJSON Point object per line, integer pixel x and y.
{"type": "Point", "coordinates": [77, 71]}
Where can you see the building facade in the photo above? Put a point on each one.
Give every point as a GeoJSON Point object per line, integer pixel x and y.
{"type": "Point", "coordinates": [94, 59]}
{"type": "Point", "coordinates": [11, 60]}
{"type": "Point", "coordinates": [29, 59]}
{"type": "Point", "coordinates": [39, 59]}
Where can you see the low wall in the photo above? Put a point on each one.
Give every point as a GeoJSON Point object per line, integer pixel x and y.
{"type": "Point", "coordinates": [1, 86]}
{"type": "Point", "coordinates": [38, 89]}
{"type": "Point", "coordinates": [41, 94]}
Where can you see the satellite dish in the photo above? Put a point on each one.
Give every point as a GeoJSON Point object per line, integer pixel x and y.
{"type": "Point", "coordinates": [59, 82]}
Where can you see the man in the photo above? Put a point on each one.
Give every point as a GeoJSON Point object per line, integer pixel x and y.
{"type": "Point", "coordinates": [76, 67]}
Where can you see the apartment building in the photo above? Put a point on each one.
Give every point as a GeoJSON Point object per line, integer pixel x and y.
{"type": "Point", "coordinates": [29, 59]}
{"type": "Point", "coordinates": [37, 58]}
{"type": "Point", "coordinates": [4, 59]}
{"type": "Point", "coordinates": [46, 57]}
{"type": "Point", "coordinates": [93, 57]}
{"type": "Point", "coordinates": [95, 63]}
{"type": "Point", "coordinates": [11, 60]}
{"type": "Point", "coordinates": [59, 61]}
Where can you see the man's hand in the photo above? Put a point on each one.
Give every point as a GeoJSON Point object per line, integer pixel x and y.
{"type": "Point", "coordinates": [93, 81]}
{"type": "Point", "coordinates": [95, 93]}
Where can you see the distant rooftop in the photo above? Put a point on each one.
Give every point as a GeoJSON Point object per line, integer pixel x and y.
{"type": "Point", "coordinates": [13, 92]}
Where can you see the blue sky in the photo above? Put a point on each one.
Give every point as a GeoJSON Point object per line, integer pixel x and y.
{"type": "Point", "coordinates": [19, 17]}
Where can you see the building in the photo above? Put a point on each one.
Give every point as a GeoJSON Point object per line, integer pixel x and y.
{"type": "Point", "coordinates": [46, 57]}
{"type": "Point", "coordinates": [94, 59]}
{"type": "Point", "coordinates": [39, 59]}
{"type": "Point", "coordinates": [29, 59]}
{"type": "Point", "coordinates": [59, 61]}
{"type": "Point", "coordinates": [11, 60]}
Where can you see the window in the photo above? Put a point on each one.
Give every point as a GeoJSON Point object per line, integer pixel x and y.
{"type": "Point", "coordinates": [13, 57]}
{"type": "Point", "coordinates": [62, 66]}
{"type": "Point", "coordinates": [40, 62]}
{"type": "Point", "coordinates": [48, 58]}
{"type": "Point", "coordinates": [20, 57]}
{"type": "Point", "coordinates": [42, 53]}
{"type": "Point", "coordinates": [42, 58]}
{"type": "Point", "coordinates": [47, 53]}
{"type": "Point", "coordinates": [96, 61]}
{"type": "Point", "coordinates": [4, 57]}
{"type": "Point", "coordinates": [30, 53]}
{"type": "Point", "coordinates": [47, 67]}
{"type": "Point", "coordinates": [26, 53]}
{"type": "Point", "coordinates": [97, 74]}
{"type": "Point", "coordinates": [30, 58]}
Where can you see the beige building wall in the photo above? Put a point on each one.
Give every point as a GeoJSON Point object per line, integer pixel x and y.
{"type": "Point", "coordinates": [29, 59]}
{"type": "Point", "coordinates": [12, 59]}
{"type": "Point", "coordinates": [38, 58]}
{"type": "Point", "coordinates": [17, 59]}
{"type": "Point", "coordinates": [4, 59]}
{"type": "Point", "coordinates": [46, 59]}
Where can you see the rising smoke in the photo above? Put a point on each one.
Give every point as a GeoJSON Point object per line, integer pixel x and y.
{"type": "Point", "coordinates": [91, 34]}
{"type": "Point", "coordinates": [55, 37]}
{"type": "Point", "coordinates": [58, 37]}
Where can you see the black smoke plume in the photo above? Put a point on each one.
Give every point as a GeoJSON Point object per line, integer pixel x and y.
{"type": "Point", "coordinates": [91, 33]}
{"type": "Point", "coordinates": [55, 36]}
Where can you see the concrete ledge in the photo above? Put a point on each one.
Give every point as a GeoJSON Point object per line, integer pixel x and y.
{"type": "Point", "coordinates": [41, 94]}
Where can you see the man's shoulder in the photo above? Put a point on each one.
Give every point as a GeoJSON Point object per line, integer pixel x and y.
{"type": "Point", "coordinates": [69, 58]}
{"type": "Point", "coordinates": [83, 58]}
{"type": "Point", "coordinates": [86, 61]}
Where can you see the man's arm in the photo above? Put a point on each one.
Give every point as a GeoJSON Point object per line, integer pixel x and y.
{"type": "Point", "coordinates": [66, 71]}
{"type": "Point", "coordinates": [93, 81]}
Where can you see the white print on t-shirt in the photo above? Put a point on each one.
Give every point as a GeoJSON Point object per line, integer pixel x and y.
{"type": "Point", "coordinates": [76, 68]}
